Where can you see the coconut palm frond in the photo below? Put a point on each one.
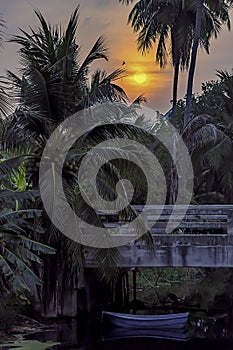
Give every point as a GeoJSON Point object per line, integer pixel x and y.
{"type": "Point", "coordinates": [139, 100]}
{"type": "Point", "coordinates": [98, 51]}
{"type": "Point", "coordinates": [103, 89]}
{"type": "Point", "coordinates": [6, 104]}
{"type": "Point", "coordinates": [201, 132]}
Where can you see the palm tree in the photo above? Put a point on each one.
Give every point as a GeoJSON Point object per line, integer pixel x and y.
{"type": "Point", "coordinates": [172, 23]}
{"type": "Point", "coordinates": [219, 14]}
{"type": "Point", "coordinates": [54, 85]}
{"type": "Point", "coordinates": [168, 24]}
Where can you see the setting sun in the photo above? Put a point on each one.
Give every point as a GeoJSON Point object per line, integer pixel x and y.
{"type": "Point", "coordinates": [140, 78]}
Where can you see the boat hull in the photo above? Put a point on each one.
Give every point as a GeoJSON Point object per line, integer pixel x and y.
{"type": "Point", "coordinates": [169, 321]}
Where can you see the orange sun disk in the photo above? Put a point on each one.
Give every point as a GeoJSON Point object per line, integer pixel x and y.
{"type": "Point", "coordinates": [140, 78]}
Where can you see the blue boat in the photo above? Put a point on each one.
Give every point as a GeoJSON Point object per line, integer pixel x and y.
{"type": "Point", "coordinates": [165, 322]}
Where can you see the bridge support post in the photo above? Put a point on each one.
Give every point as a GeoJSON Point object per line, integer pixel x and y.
{"type": "Point", "coordinates": [134, 287]}
{"type": "Point", "coordinates": [230, 223]}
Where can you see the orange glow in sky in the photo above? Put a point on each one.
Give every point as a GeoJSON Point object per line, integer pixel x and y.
{"type": "Point", "coordinates": [108, 18]}
{"type": "Point", "coordinates": [144, 77]}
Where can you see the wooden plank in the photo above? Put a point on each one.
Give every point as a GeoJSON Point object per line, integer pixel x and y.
{"type": "Point", "coordinates": [159, 230]}
{"type": "Point", "coordinates": [183, 225]}
{"type": "Point", "coordinates": [173, 218]}
{"type": "Point", "coordinates": [188, 217]}
{"type": "Point", "coordinates": [194, 209]}
{"type": "Point", "coordinates": [195, 206]}
{"type": "Point", "coordinates": [194, 224]}
{"type": "Point", "coordinates": [179, 211]}
{"type": "Point", "coordinates": [201, 217]}
{"type": "Point", "coordinates": [171, 207]}
{"type": "Point", "coordinates": [186, 238]}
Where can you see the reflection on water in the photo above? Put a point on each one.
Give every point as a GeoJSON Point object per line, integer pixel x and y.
{"type": "Point", "coordinates": [118, 333]}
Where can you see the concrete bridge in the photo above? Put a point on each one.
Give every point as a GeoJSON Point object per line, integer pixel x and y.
{"type": "Point", "coordinates": [203, 237]}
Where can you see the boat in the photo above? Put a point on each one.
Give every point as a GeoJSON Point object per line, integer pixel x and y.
{"type": "Point", "coordinates": [166, 322]}
{"type": "Point", "coordinates": [132, 333]}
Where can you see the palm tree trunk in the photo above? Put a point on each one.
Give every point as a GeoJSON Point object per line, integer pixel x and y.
{"type": "Point", "coordinates": [174, 181]}
{"type": "Point", "coordinates": [193, 62]}
{"type": "Point", "coordinates": [175, 87]}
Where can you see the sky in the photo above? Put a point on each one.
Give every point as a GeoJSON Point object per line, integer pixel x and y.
{"type": "Point", "coordinates": [109, 18]}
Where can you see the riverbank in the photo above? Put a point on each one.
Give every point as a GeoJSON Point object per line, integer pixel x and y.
{"type": "Point", "coordinates": [23, 326]}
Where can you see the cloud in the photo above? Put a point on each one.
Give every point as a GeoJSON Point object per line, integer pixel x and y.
{"type": "Point", "coordinates": [93, 26]}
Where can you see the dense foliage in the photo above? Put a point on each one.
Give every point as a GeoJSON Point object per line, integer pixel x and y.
{"type": "Point", "coordinates": [209, 138]}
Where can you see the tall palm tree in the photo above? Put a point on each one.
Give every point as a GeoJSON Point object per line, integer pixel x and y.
{"type": "Point", "coordinates": [169, 24]}
{"type": "Point", "coordinates": [218, 11]}
{"type": "Point", "coordinates": [54, 85]}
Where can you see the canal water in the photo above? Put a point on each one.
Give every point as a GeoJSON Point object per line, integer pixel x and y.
{"type": "Point", "coordinates": [209, 302]}
{"type": "Point", "coordinates": [87, 334]}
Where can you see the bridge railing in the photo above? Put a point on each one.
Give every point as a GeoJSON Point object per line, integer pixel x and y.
{"type": "Point", "coordinates": [199, 219]}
